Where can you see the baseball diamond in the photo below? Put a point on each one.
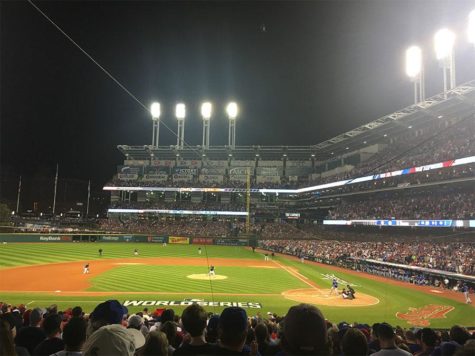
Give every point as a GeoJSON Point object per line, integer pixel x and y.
{"type": "Point", "coordinates": [52, 272]}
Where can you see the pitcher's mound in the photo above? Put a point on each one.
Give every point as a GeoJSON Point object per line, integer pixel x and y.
{"type": "Point", "coordinates": [321, 297]}
{"type": "Point", "coordinates": [206, 276]}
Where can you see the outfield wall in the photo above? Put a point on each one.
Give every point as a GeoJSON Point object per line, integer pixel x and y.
{"type": "Point", "coordinates": [182, 240]}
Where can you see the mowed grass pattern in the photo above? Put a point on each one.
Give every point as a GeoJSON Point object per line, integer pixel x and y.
{"type": "Point", "coordinates": [12, 255]}
{"type": "Point", "coordinates": [142, 282]}
{"type": "Point", "coordinates": [174, 279]}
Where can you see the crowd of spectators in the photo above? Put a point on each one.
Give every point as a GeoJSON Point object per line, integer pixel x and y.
{"type": "Point", "coordinates": [181, 227]}
{"type": "Point", "coordinates": [431, 205]}
{"type": "Point", "coordinates": [111, 330]}
{"type": "Point", "coordinates": [445, 256]}
{"type": "Point", "coordinates": [432, 144]}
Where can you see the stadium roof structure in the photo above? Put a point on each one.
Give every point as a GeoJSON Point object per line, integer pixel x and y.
{"type": "Point", "coordinates": [460, 102]}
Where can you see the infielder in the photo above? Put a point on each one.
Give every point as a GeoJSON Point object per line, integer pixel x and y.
{"type": "Point", "coordinates": [86, 268]}
{"type": "Point", "coordinates": [211, 271]}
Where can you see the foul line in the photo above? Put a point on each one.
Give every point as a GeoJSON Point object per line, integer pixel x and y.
{"type": "Point", "coordinates": [296, 275]}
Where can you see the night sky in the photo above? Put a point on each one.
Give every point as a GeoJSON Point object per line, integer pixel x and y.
{"type": "Point", "coordinates": [302, 72]}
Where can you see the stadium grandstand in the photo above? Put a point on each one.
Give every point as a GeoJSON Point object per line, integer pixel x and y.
{"type": "Point", "coordinates": [414, 164]}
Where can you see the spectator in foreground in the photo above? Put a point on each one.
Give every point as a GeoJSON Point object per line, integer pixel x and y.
{"type": "Point", "coordinates": [387, 342]}
{"type": "Point", "coordinates": [194, 319]}
{"type": "Point", "coordinates": [74, 336]}
{"type": "Point", "coordinates": [106, 313]}
{"type": "Point", "coordinates": [29, 337]}
{"type": "Point", "coordinates": [53, 342]}
{"type": "Point", "coordinates": [232, 332]}
{"type": "Point", "coordinates": [354, 343]}
{"type": "Point", "coordinates": [113, 340]}
{"type": "Point", "coordinates": [6, 338]}
{"type": "Point", "coordinates": [156, 344]}
{"type": "Point", "coordinates": [305, 331]}
{"type": "Point", "coordinates": [428, 342]}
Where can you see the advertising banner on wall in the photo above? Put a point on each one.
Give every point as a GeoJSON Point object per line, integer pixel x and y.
{"type": "Point", "coordinates": [231, 242]}
{"type": "Point", "coordinates": [158, 239]}
{"type": "Point", "coordinates": [178, 240]}
{"type": "Point", "coordinates": [202, 241]}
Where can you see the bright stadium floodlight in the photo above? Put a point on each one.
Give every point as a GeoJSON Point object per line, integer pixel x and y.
{"type": "Point", "coordinates": [444, 44]}
{"type": "Point", "coordinates": [413, 61]}
{"type": "Point", "coordinates": [232, 111]}
{"type": "Point", "coordinates": [180, 113]}
{"type": "Point", "coordinates": [415, 72]}
{"type": "Point", "coordinates": [444, 40]}
{"type": "Point", "coordinates": [206, 110]}
{"type": "Point", "coordinates": [471, 27]}
{"type": "Point", "coordinates": [155, 111]}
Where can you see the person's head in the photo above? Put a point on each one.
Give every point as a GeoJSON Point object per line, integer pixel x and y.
{"type": "Point", "coordinates": [113, 340]}
{"type": "Point", "coordinates": [52, 325]}
{"type": "Point", "coordinates": [156, 344]}
{"type": "Point", "coordinates": [169, 328]}
{"type": "Point", "coordinates": [76, 312]}
{"type": "Point", "coordinates": [459, 334]}
{"type": "Point", "coordinates": [6, 338]}
{"type": "Point", "coordinates": [354, 343]}
{"type": "Point", "coordinates": [106, 313]}
{"type": "Point", "coordinates": [212, 329]}
{"type": "Point", "coordinates": [194, 319]}
{"type": "Point", "coordinates": [305, 331]}
{"type": "Point", "coordinates": [428, 338]}
{"type": "Point", "coordinates": [232, 328]}
{"type": "Point", "coordinates": [410, 336]}
{"type": "Point", "coordinates": [385, 333]}
{"type": "Point", "coordinates": [374, 331]}
{"type": "Point", "coordinates": [262, 333]}
{"type": "Point", "coordinates": [167, 315]}
{"type": "Point", "coordinates": [135, 322]}
{"type": "Point", "coordinates": [74, 334]}
{"type": "Point", "coordinates": [36, 316]}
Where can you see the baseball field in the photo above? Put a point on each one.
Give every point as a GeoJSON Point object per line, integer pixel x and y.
{"type": "Point", "coordinates": [173, 276]}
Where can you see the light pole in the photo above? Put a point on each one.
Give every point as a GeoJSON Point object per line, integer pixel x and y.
{"type": "Point", "coordinates": [155, 111]}
{"type": "Point", "coordinates": [444, 41]}
{"type": "Point", "coordinates": [232, 111]}
{"type": "Point", "coordinates": [206, 110]}
{"type": "Point", "coordinates": [180, 113]}
{"type": "Point", "coordinates": [415, 71]}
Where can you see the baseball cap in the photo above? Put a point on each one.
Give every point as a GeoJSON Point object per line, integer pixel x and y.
{"type": "Point", "coordinates": [233, 320]}
{"type": "Point", "coordinates": [111, 311]}
{"type": "Point", "coordinates": [113, 340]}
{"type": "Point", "coordinates": [304, 328]}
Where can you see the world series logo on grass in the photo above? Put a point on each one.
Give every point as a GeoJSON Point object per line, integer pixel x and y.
{"type": "Point", "coordinates": [186, 302]}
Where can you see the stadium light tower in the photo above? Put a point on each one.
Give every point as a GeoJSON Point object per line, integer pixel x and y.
{"type": "Point", "coordinates": [232, 111]}
{"type": "Point", "coordinates": [415, 71]}
{"type": "Point", "coordinates": [206, 110]}
{"type": "Point", "coordinates": [155, 111]}
{"type": "Point", "coordinates": [471, 27]}
{"type": "Point", "coordinates": [180, 112]}
{"type": "Point", "coordinates": [444, 40]}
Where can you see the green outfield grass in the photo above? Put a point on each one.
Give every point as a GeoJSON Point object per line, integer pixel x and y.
{"type": "Point", "coordinates": [139, 282]}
